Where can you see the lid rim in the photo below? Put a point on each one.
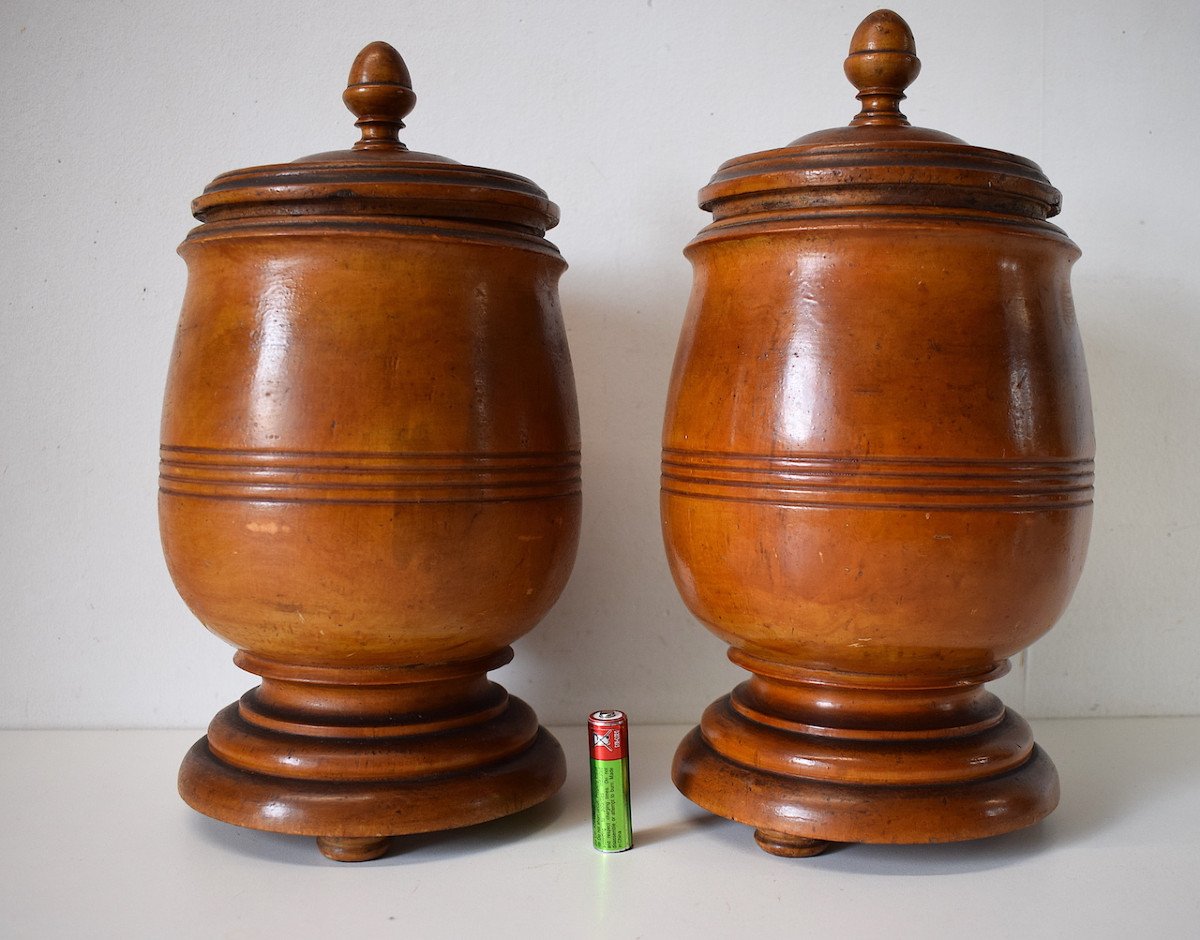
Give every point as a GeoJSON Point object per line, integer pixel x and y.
{"type": "Point", "coordinates": [877, 146]}
{"type": "Point", "coordinates": [400, 171]}
{"type": "Point", "coordinates": [921, 173]}
{"type": "Point", "coordinates": [377, 189]}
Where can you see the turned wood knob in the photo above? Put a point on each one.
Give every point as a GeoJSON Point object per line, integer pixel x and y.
{"type": "Point", "coordinates": [379, 94]}
{"type": "Point", "coordinates": [882, 63]}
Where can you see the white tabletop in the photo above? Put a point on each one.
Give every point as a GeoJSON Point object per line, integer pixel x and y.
{"type": "Point", "coordinates": [94, 842]}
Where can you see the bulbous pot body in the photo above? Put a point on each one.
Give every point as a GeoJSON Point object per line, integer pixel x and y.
{"type": "Point", "coordinates": [370, 443]}
{"type": "Point", "coordinates": [878, 443]}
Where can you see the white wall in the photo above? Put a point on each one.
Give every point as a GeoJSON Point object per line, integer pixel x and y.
{"type": "Point", "coordinates": [114, 115]}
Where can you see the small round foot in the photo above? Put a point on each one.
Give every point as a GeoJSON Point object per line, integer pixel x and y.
{"type": "Point", "coordinates": [779, 843]}
{"type": "Point", "coordinates": [353, 848]}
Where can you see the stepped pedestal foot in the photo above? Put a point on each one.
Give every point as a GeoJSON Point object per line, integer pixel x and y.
{"type": "Point", "coordinates": [356, 756]}
{"type": "Point", "coordinates": [809, 759]}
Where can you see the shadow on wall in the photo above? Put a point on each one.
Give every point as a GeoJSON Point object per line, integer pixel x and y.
{"type": "Point", "coordinates": [620, 637]}
{"type": "Point", "coordinates": [1128, 644]}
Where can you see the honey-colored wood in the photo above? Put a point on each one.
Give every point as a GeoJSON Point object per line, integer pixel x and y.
{"type": "Point", "coordinates": [370, 481]}
{"type": "Point", "coordinates": [877, 474]}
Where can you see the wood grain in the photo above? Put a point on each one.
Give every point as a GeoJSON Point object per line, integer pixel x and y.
{"type": "Point", "coordinates": [877, 473]}
{"type": "Point", "coordinates": [370, 481]}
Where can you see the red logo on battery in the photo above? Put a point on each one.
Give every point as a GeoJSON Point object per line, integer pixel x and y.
{"type": "Point", "coordinates": [608, 736]}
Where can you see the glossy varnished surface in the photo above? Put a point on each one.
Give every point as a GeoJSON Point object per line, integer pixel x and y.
{"type": "Point", "coordinates": [370, 481]}
{"type": "Point", "coordinates": [389, 410]}
{"type": "Point", "coordinates": [877, 473]}
{"type": "Point", "coordinates": [897, 406]}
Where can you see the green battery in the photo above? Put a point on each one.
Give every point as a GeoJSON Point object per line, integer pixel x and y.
{"type": "Point", "coordinates": [608, 741]}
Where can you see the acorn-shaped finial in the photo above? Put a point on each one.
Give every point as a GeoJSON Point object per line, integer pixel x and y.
{"type": "Point", "coordinates": [379, 94]}
{"type": "Point", "coordinates": [882, 63]}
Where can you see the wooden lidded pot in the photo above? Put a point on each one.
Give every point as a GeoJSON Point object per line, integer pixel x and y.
{"type": "Point", "coordinates": [877, 474]}
{"type": "Point", "coordinates": [370, 481]}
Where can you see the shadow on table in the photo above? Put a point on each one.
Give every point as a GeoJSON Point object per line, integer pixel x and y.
{"type": "Point", "coordinates": [1115, 778]}
{"type": "Point", "coordinates": [664, 832]}
{"type": "Point", "coordinates": [405, 850]}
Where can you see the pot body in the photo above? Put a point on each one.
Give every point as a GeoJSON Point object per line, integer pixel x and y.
{"type": "Point", "coordinates": [878, 444]}
{"type": "Point", "coordinates": [370, 444]}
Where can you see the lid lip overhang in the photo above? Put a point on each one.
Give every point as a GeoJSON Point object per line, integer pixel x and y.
{"type": "Point", "coordinates": [378, 187]}
{"type": "Point", "coordinates": [379, 170]}
{"type": "Point", "coordinates": [916, 147]}
{"type": "Point", "coordinates": [931, 164]}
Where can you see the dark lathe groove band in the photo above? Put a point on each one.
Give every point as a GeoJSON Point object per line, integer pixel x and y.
{"type": "Point", "coordinates": [301, 476]}
{"type": "Point", "coordinates": [880, 482]}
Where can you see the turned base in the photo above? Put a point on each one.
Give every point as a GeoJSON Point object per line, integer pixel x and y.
{"type": "Point", "coordinates": [809, 759]}
{"type": "Point", "coordinates": [300, 755]}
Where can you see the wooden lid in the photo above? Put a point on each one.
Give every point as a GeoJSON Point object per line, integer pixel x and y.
{"type": "Point", "coordinates": [379, 175]}
{"type": "Point", "coordinates": [880, 163]}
